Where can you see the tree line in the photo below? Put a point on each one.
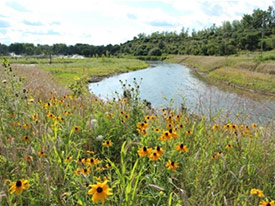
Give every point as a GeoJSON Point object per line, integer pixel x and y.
{"type": "Point", "coordinates": [254, 32]}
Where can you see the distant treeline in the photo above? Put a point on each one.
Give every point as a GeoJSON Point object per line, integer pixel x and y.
{"type": "Point", "coordinates": [253, 32]}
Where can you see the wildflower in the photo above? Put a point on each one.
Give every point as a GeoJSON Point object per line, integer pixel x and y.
{"type": "Point", "coordinates": [99, 138]}
{"type": "Point", "coordinates": [182, 148]}
{"type": "Point", "coordinates": [165, 136]}
{"type": "Point", "coordinates": [219, 154]}
{"type": "Point", "coordinates": [188, 132]}
{"type": "Point", "coordinates": [42, 154]}
{"type": "Point", "coordinates": [108, 165]}
{"type": "Point", "coordinates": [229, 147]}
{"type": "Point", "coordinates": [157, 130]}
{"type": "Point", "coordinates": [86, 171]}
{"type": "Point", "coordinates": [144, 151]}
{"type": "Point", "coordinates": [76, 129]}
{"type": "Point", "coordinates": [19, 186]}
{"type": "Point", "coordinates": [267, 203]}
{"type": "Point", "coordinates": [172, 165]}
{"type": "Point", "coordinates": [126, 116]}
{"type": "Point", "coordinates": [180, 126]}
{"type": "Point", "coordinates": [216, 127]}
{"type": "Point", "coordinates": [68, 159]}
{"type": "Point", "coordinates": [90, 152]}
{"type": "Point", "coordinates": [109, 115]}
{"type": "Point", "coordinates": [173, 134]}
{"type": "Point", "coordinates": [78, 171]}
{"type": "Point", "coordinates": [142, 125]}
{"type": "Point", "coordinates": [100, 168]}
{"type": "Point", "coordinates": [154, 156]}
{"type": "Point", "coordinates": [107, 143]}
{"type": "Point", "coordinates": [254, 126]}
{"type": "Point", "coordinates": [257, 192]}
{"type": "Point", "coordinates": [26, 139]}
{"type": "Point", "coordinates": [28, 158]}
{"type": "Point", "coordinates": [159, 150]}
{"type": "Point", "coordinates": [147, 118]}
{"type": "Point", "coordinates": [213, 157]}
{"type": "Point", "coordinates": [93, 161]}
{"type": "Point", "coordinates": [100, 191]}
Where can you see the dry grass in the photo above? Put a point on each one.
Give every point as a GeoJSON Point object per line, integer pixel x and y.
{"type": "Point", "coordinates": [39, 80]}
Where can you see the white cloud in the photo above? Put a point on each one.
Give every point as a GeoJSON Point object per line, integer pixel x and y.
{"type": "Point", "coordinates": [112, 21]}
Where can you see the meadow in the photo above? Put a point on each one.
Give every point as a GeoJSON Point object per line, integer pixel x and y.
{"type": "Point", "coordinates": [259, 68]}
{"type": "Point", "coordinates": [67, 147]}
{"type": "Point", "coordinates": [66, 69]}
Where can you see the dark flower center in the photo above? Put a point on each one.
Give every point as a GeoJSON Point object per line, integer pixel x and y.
{"type": "Point", "coordinates": [158, 148]}
{"type": "Point", "coordinates": [268, 204]}
{"type": "Point", "coordinates": [172, 163]}
{"type": "Point", "coordinates": [85, 170]}
{"type": "Point", "coordinates": [181, 146]}
{"type": "Point", "coordinates": [170, 130]}
{"type": "Point", "coordinates": [92, 160]}
{"type": "Point", "coordinates": [18, 183]}
{"type": "Point", "coordinates": [108, 142]}
{"type": "Point", "coordinates": [99, 189]}
{"type": "Point", "coordinates": [144, 149]}
{"type": "Point", "coordinates": [155, 154]}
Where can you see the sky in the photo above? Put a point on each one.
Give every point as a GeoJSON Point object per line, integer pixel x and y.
{"type": "Point", "coordinates": [102, 22]}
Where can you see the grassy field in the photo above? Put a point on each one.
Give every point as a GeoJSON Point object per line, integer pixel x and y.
{"type": "Point", "coordinates": [66, 70]}
{"type": "Point", "coordinates": [249, 71]}
{"type": "Point", "coordinates": [74, 149]}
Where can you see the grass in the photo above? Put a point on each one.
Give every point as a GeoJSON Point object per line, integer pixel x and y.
{"type": "Point", "coordinates": [72, 129]}
{"type": "Point", "coordinates": [100, 67]}
{"type": "Point", "coordinates": [245, 70]}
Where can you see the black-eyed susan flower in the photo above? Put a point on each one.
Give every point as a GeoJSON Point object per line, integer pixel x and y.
{"type": "Point", "coordinates": [90, 152]}
{"type": "Point", "coordinates": [216, 127]}
{"type": "Point", "coordinates": [78, 171]}
{"type": "Point", "coordinates": [229, 146]}
{"type": "Point", "coordinates": [42, 154]}
{"type": "Point", "coordinates": [165, 136]}
{"type": "Point", "coordinates": [18, 186]}
{"type": "Point", "coordinates": [219, 154]}
{"type": "Point", "coordinates": [76, 129]}
{"type": "Point", "coordinates": [180, 126]}
{"type": "Point", "coordinates": [94, 161]}
{"type": "Point", "coordinates": [28, 158]}
{"type": "Point", "coordinates": [100, 168]}
{"type": "Point", "coordinates": [213, 157]}
{"type": "Point", "coordinates": [267, 203]}
{"type": "Point", "coordinates": [68, 159]}
{"type": "Point", "coordinates": [147, 118]}
{"type": "Point", "coordinates": [157, 130]}
{"type": "Point", "coordinates": [171, 165]}
{"type": "Point", "coordinates": [257, 192]}
{"type": "Point", "coordinates": [100, 191]}
{"type": "Point", "coordinates": [144, 151]}
{"type": "Point", "coordinates": [254, 126]}
{"type": "Point", "coordinates": [108, 165]}
{"type": "Point", "coordinates": [26, 139]}
{"type": "Point", "coordinates": [86, 171]}
{"type": "Point", "coordinates": [188, 132]}
{"type": "Point", "coordinates": [159, 150]}
{"type": "Point", "coordinates": [173, 133]}
{"type": "Point", "coordinates": [126, 116]}
{"type": "Point", "coordinates": [107, 143]}
{"type": "Point", "coordinates": [182, 148]}
{"type": "Point", "coordinates": [154, 156]}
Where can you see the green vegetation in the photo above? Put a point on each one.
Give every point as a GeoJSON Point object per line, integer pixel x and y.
{"type": "Point", "coordinates": [254, 32]}
{"type": "Point", "coordinates": [257, 81]}
{"type": "Point", "coordinates": [99, 67]}
{"type": "Point", "coordinates": [249, 71]}
{"type": "Point", "coordinates": [65, 143]}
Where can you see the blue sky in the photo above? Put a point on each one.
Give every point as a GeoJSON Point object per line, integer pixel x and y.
{"type": "Point", "coordinates": [102, 22]}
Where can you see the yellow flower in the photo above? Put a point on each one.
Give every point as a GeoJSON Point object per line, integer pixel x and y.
{"type": "Point", "coordinates": [28, 158]}
{"type": "Point", "coordinates": [188, 132]}
{"type": "Point", "coordinates": [267, 203]}
{"type": "Point", "coordinates": [159, 150]}
{"type": "Point", "coordinates": [107, 143]}
{"type": "Point", "coordinates": [229, 147]}
{"type": "Point", "coordinates": [182, 148]}
{"type": "Point", "coordinates": [213, 157]}
{"type": "Point", "coordinates": [216, 127]}
{"type": "Point", "coordinates": [76, 129]}
{"type": "Point", "coordinates": [94, 161]}
{"type": "Point", "coordinates": [26, 139]}
{"type": "Point", "coordinates": [19, 186]}
{"type": "Point", "coordinates": [257, 192]}
{"type": "Point", "coordinates": [144, 151]}
{"type": "Point", "coordinates": [154, 156]}
{"type": "Point", "coordinates": [100, 191]}
{"type": "Point", "coordinates": [254, 126]}
{"type": "Point", "coordinates": [42, 154]}
{"type": "Point", "coordinates": [68, 159]}
{"type": "Point", "coordinates": [172, 165]}
{"type": "Point", "coordinates": [108, 165]}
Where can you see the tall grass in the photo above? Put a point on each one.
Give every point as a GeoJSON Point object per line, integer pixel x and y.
{"type": "Point", "coordinates": [76, 126]}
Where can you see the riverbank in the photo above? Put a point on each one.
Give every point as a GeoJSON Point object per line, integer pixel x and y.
{"type": "Point", "coordinates": [247, 73]}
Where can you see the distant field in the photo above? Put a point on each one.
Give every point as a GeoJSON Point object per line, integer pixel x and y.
{"type": "Point", "coordinates": [65, 70]}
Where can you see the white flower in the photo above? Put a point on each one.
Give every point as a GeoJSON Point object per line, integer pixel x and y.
{"type": "Point", "coordinates": [99, 138]}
